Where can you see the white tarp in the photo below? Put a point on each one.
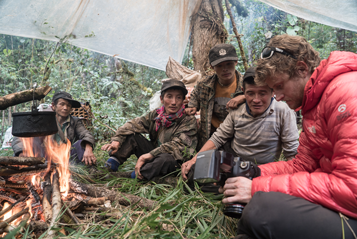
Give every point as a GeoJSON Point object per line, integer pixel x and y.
{"type": "Point", "coordinates": [341, 14]}
{"type": "Point", "coordinates": [146, 32]}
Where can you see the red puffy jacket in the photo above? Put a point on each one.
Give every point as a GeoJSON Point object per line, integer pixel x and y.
{"type": "Point", "coordinates": [325, 169]}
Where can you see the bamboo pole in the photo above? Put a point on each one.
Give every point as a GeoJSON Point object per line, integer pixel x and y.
{"type": "Point", "coordinates": [29, 161]}
{"type": "Point", "coordinates": [56, 204]}
{"type": "Point", "coordinates": [46, 200]}
{"type": "Point", "coordinates": [237, 36]}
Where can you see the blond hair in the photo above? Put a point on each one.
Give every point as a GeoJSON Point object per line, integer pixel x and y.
{"type": "Point", "coordinates": [295, 45]}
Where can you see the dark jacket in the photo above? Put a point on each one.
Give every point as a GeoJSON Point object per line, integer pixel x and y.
{"type": "Point", "coordinates": [75, 131]}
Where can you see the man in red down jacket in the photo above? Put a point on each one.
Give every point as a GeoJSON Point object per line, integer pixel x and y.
{"type": "Point", "coordinates": [313, 195]}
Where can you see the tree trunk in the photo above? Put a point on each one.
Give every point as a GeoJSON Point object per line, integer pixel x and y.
{"type": "Point", "coordinates": [207, 31]}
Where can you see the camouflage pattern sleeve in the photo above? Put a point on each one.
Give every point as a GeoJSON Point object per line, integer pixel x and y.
{"type": "Point", "coordinates": [137, 125]}
{"type": "Point", "coordinates": [183, 143]}
{"type": "Point", "coordinates": [194, 98]}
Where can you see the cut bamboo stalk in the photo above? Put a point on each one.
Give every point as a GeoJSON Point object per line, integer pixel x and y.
{"type": "Point", "coordinates": [56, 204]}
{"type": "Point", "coordinates": [46, 200]}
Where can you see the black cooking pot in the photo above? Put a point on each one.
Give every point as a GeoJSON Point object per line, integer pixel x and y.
{"type": "Point", "coordinates": [34, 123]}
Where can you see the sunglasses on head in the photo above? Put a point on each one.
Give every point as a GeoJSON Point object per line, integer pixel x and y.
{"type": "Point", "coordinates": [269, 52]}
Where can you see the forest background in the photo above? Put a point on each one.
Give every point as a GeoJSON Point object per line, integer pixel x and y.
{"type": "Point", "coordinates": [119, 91]}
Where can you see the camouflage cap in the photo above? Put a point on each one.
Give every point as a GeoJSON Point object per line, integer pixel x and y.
{"type": "Point", "coordinates": [172, 83]}
{"type": "Point", "coordinates": [222, 52]}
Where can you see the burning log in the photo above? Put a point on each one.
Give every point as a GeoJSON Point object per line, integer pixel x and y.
{"type": "Point", "coordinates": [56, 203]}
{"type": "Point", "coordinates": [25, 171]}
{"type": "Point", "coordinates": [13, 217]}
{"type": "Point", "coordinates": [23, 96]}
{"type": "Point", "coordinates": [29, 161]}
{"type": "Point", "coordinates": [33, 192]}
{"type": "Point", "coordinates": [6, 198]}
{"type": "Point", "coordinates": [47, 193]}
{"type": "Point", "coordinates": [13, 185]}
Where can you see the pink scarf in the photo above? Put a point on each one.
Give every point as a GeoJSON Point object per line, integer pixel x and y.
{"type": "Point", "coordinates": [165, 119]}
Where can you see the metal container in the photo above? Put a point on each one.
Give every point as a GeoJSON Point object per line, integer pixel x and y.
{"type": "Point", "coordinates": [34, 124]}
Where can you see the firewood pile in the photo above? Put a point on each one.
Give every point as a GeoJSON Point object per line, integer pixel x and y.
{"type": "Point", "coordinates": [31, 196]}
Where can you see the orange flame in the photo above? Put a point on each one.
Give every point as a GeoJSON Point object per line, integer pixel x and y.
{"type": "Point", "coordinates": [28, 204]}
{"type": "Point", "coordinates": [57, 153]}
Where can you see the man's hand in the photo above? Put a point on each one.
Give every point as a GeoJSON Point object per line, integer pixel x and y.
{"type": "Point", "coordinates": [237, 189]}
{"type": "Point", "coordinates": [88, 156]}
{"type": "Point", "coordinates": [141, 161]}
{"type": "Point", "coordinates": [191, 111]}
{"type": "Point", "coordinates": [185, 168]}
{"type": "Point", "coordinates": [233, 103]}
{"type": "Point", "coordinates": [114, 146]}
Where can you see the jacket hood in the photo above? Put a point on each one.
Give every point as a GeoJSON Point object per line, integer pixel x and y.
{"type": "Point", "coordinates": [339, 62]}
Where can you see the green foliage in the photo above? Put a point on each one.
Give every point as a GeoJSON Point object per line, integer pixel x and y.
{"type": "Point", "coordinates": [264, 21]}
{"type": "Point", "coordinates": [110, 85]}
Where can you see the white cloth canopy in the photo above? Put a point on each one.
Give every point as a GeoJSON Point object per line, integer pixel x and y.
{"type": "Point", "coordinates": [146, 32]}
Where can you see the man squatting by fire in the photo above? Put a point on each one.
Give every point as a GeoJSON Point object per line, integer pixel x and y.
{"type": "Point", "coordinates": [172, 133]}
{"type": "Point", "coordinates": [69, 127]}
{"type": "Point", "coordinates": [258, 131]}
{"type": "Point", "coordinates": [313, 195]}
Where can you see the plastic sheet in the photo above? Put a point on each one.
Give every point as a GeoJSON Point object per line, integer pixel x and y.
{"type": "Point", "coordinates": [146, 32]}
{"type": "Point", "coordinates": [341, 14]}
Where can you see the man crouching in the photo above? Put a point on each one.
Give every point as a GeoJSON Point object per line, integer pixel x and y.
{"type": "Point", "coordinates": [172, 136]}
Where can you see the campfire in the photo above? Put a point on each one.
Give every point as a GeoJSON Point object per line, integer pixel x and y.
{"type": "Point", "coordinates": [35, 189]}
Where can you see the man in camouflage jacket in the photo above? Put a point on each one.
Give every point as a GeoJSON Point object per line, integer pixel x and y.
{"type": "Point", "coordinates": [223, 59]}
{"type": "Point", "coordinates": [169, 145]}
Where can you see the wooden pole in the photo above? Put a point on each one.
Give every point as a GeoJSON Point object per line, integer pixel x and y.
{"type": "Point", "coordinates": [245, 64]}
{"type": "Point", "coordinates": [21, 97]}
